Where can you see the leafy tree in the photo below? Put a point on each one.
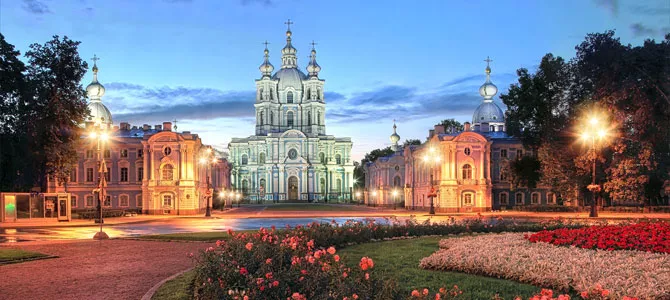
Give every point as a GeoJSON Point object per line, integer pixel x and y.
{"type": "Point", "coordinates": [12, 136]}
{"type": "Point", "coordinates": [55, 106]}
{"type": "Point", "coordinates": [451, 125]}
{"type": "Point", "coordinates": [359, 171]}
{"type": "Point", "coordinates": [412, 142]}
{"type": "Point", "coordinates": [525, 171]}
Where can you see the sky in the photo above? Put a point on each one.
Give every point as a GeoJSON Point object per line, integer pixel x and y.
{"type": "Point", "coordinates": [418, 62]}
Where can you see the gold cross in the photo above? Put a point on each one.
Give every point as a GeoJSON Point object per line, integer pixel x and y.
{"type": "Point", "coordinates": [288, 23]}
{"type": "Point", "coordinates": [488, 60]}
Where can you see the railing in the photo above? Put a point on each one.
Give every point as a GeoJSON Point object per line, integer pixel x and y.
{"type": "Point", "coordinates": [261, 129]}
{"type": "Point", "coordinates": [333, 197]}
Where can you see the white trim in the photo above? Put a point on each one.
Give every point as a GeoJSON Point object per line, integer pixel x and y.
{"type": "Point", "coordinates": [539, 198]}
{"type": "Point", "coordinates": [472, 198]}
{"type": "Point", "coordinates": [523, 198]}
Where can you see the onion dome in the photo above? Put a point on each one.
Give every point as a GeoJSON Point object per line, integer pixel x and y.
{"type": "Point", "coordinates": [289, 59]}
{"type": "Point", "coordinates": [394, 138]}
{"type": "Point", "coordinates": [313, 68]}
{"type": "Point", "coordinates": [266, 67]}
{"type": "Point", "coordinates": [488, 89]}
{"type": "Point", "coordinates": [98, 111]}
{"type": "Point", "coordinates": [95, 90]}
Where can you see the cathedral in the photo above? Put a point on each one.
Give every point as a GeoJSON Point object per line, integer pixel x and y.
{"type": "Point", "coordinates": [455, 171]}
{"type": "Point", "coordinates": [147, 169]}
{"type": "Point", "coordinates": [290, 157]}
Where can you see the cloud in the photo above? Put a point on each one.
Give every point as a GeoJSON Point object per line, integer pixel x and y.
{"type": "Point", "coordinates": [261, 2]}
{"type": "Point", "coordinates": [36, 7]}
{"type": "Point", "coordinates": [612, 6]}
{"type": "Point", "coordinates": [650, 10]}
{"type": "Point", "coordinates": [640, 30]}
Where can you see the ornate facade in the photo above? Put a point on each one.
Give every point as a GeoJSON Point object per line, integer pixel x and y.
{"type": "Point", "coordinates": [468, 170]}
{"type": "Point", "coordinates": [291, 157]}
{"type": "Point", "coordinates": [154, 170]}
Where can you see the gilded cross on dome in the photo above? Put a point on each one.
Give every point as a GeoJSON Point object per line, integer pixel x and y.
{"type": "Point", "coordinates": [313, 44]}
{"type": "Point", "coordinates": [175, 124]}
{"type": "Point", "coordinates": [289, 24]}
{"type": "Point", "coordinates": [266, 44]}
{"type": "Point", "coordinates": [488, 61]}
{"type": "Point", "coordinates": [95, 59]}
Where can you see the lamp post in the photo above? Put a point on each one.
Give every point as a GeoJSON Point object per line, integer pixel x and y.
{"type": "Point", "coordinates": [395, 198]}
{"type": "Point", "coordinates": [99, 133]}
{"type": "Point", "coordinates": [222, 196]}
{"type": "Point", "coordinates": [358, 198]}
{"type": "Point", "coordinates": [374, 195]}
{"type": "Point", "coordinates": [239, 198]}
{"type": "Point", "coordinates": [594, 130]}
{"type": "Point", "coordinates": [208, 159]}
{"type": "Point", "coordinates": [431, 158]}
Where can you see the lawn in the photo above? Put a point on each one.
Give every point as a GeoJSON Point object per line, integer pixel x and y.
{"type": "Point", "coordinates": [313, 207]}
{"type": "Point", "coordinates": [400, 260]}
{"type": "Point", "coordinates": [180, 288]}
{"type": "Point", "coordinates": [393, 259]}
{"type": "Point", "coordinates": [10, 255]}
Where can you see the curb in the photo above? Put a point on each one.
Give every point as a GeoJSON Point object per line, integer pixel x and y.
{"type": "Point", "coordinates": [149, 294]}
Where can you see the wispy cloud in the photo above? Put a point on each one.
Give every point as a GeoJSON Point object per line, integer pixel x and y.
{"type": "Point", "coordinates": [36, 7]}
{"type": "Point", "coordinates": [640, 30]}
{"type": "Point", "coordinates": [611, 6]}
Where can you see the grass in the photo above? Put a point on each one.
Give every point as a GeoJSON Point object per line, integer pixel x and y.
{"type": "Point", "coordinates": [10, 255]}
{"type": "Point", "coordinates": [399, 260]}
{"type": "Point", "coordinates": [179, 288]}
{"type": "Point", "coordinates": [311, 207]}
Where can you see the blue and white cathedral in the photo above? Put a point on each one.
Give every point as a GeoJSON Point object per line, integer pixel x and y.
{"type": "Point", "coordinates": [291, 158]}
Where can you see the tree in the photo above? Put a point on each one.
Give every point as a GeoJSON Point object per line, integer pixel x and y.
{"type": "Point", "coordinates": [55, 107]}
{"type": "Point", "coordinates": [451, 125]}
{"type": "Point", "coordinates": [359, 168]}
{"type": "Point", "coordinates": [525, 171]}
{"type": "Point", "coordinates": [13, 157]}
{"type": "Point", "coordinates": [411, 142]}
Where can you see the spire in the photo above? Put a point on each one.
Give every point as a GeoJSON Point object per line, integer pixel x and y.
{"type": "Point", "coordinates": [313, 68]}
{"type": "Point", "coordinates": [95, 90]}
{"type": "Point", "coordinates": [266, 67]}
{"type": "Point", "coordinates": [99, 113]}
{"type": "Point", "coordinates": [394, 138]}
{"type": "Point", "coordinates": [488, 90]}
{"type": "Point", "coordinates": [288, 57]}
{"type": "Point", "coordinates": [95, 60]}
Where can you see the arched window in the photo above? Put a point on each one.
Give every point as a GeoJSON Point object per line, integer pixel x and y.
{"type": "Point", "coordinates": [289, 119]}
{"type": "Point", "coordinates": [318, 118]}
{"type": "Point", "coordinates": [245, 186]}
{"type": "Point", "coordinates": [492, 128]}
{"type": "Point", "coordinates": [245, 159]}
{"type": "Point", "coordinates": [262, 184]}
{"type": "Point", "coordinates": [272, 118]}
{"type": "Point", "coordinates": [396, 181]}
{"type": "Point", "coordinates": [338, 159]}
{"type": "Point", "coordinates": [551, 198]}
{"type": "Point", "coordinates": [260, 93]}
{"type": "Point", "coordinates": [322, 158]}
{"type": "Point", "coordinates": [518, 198]}
{"type": "Point", "coordinates": [289, 97]}
{"type": "Point", "coordinates": [467, 199]}
{"type": "Point", "coordinates": [339, 185]}
{"type": "Point", "coordinates": [467, 172]}
{"type": "Point", "coordinates": [503, 198]}
{"type": "Point", "coordinates": [309, 118]}
{"type": "Point", "coordinates": [168, 172]}
{"type": "Point", "coordinates": [323, 185]}
{"type": "Point", "coordinates": [307, 93]}
{"type": "Point", "coordinates": [535, 198]}
{"type": "Point", "coordinates": [261, 119]}
{"type": "Point", "coordinates": [261, 158]}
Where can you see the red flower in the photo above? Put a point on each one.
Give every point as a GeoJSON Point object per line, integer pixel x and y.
{"type": "Point", "coordinates": [243, 271]}
{"type": "Point", "coordinates": [249, 246]}
{"type": "Point", "coordinates": [331, 250]}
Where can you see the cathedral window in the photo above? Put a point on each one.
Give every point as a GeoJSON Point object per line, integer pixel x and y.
{"type": "Point", "coordinates": [140, 173]}
{"type": "Point", "coordinates": [245, 159]}
{"type": "Point", "coordinates": [289, 97]}
{"type": "Point", "coordinates": [245, 186]}
{"type": "Point", "coordinates": [503, 153]}
{"type": "Point", "coordinates": [467, 199]}
{"type": "Point", "coordinates": [292, 154]}
{"type": "Point", "coordinates": [261, 118]}
{"type": "Point", "coordinates": [289, 119]}
{"type": "Point", "coordinates": [108, 175]}
{"type": "Point", "coordinates": [467, 172]}
{"type": "Point", "coordinates": [124, 153]}
{"type": "Point", "coordinates": [140, 153]}
{"type": "Point", "coordinates": [322, 158]}
{"type": "Point", "coordinates": [89, 174]}
{"type": "Point", "coordinates": [519, 154]}
{"type": "Point", "coordinates": [518, 198]}
{"type": "Point", "coordinates": [318, 118]}
{"type": "Point", "coordinates": [339, 185]}
{"type": "Point", "coordinates": [338, 159]}
{"type": "Point", "coordinates": [396, 181]}
{"type": "Point", "coordinates": [261, 158]}
{"type": "Point", "coordinates": [89, 200]}
{"type": "Point", "coordinates": [467, 151]}
{"type": "Point", "coordinates": [167, 200]}
{"type": "Point", "coordinates": [309, 118]}
{"type": "Point", "coordinates": [167, 151]}
{"type": "Point", "coordinates": [168, 172]}
{"type": "Point", "coordinates": [535, 198]}
{"type": "Point", "coordinates": [272, 118]}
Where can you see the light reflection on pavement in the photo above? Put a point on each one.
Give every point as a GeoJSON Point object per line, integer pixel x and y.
{"type": "Point", "coordinates": [176, 225]}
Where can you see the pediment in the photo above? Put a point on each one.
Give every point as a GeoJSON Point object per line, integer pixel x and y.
{"type": "Point", "coordinates": [293, 133]}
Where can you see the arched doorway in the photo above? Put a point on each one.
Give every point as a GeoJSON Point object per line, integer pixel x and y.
{"type": "Point", "coordinates": [293, 188]}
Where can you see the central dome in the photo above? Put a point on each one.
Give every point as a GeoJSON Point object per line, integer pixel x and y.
{"type": "Point", "coordinates": [488, 112]}
{"type": "Point", "coordinates": [290, 77]}
{"type": "Point", "coordinates": [99, 113]}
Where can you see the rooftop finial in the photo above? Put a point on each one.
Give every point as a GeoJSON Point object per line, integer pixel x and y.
{"type": "Point", "coordinates": [266, 67]}
{"type": "Point", "coordinates": [488, 65]}
{"type": "Point", "coordinates": [394, 138]}
{"type": "Point", "coordinates": [313, 68]}
{"type": "Point", "coordinates": [289, 59]}
{"type": "Point", "coordinates": [313, 44]}
{"type": "Point", "coordinates": [288, 24]}
{"type": "Point", "coordinates": [266, 44]}
{"type": "Point", "coordinates": [175, 124]}
{"type": "Point", "coordinates": [95, 59]}
{"type": "Point", "coordinates": [488, 89]}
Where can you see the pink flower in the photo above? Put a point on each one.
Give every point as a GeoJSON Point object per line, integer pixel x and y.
{"type": "Point", "coordinates": [354, 296]}
{"type": "Point", "coordinates": [344, 274]}
{"type": "Point", "coordinates": [425, 292]}
{"type": "Point", "coordinates": [249, 246]}
{"type": "Point", "coordinates": [605, 293]}
{"type": "Point", "coordinates": [336, 257]}
{"type": "Point", "coordinates": [331, 250]}
{"type": "Point", "coordinates": [415, 293]}
{"type": "Point", "coordinates": [275, 283]}
{"type": "Point", "coordinates": [317, 254]}
{"type": "Point", "coordinates": [367, 276]}
{"type": "Point", "coordinates": [268, 275]}
{"type": "Point", "coordinates": [584, 294]}
{"type": "Point", "coordinates": [243, 271]}
{"type": "Point", "coordinates": [268, 261]}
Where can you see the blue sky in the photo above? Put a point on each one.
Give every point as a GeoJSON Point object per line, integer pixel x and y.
{"type": "Point", "coordinates": [415, 61]}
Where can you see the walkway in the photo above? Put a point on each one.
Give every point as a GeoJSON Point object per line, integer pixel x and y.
{"type": "Point", "coordinates": [111, 269]}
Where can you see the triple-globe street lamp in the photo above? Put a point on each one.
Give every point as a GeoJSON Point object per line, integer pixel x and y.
{"type": "Point", "coordinates": [100, 135]}
{"type": "Point", "coordinates": [432, 158]}
{"type": "Point", "coordinates": [208, 159]}
{"type": "Point", "coordinates": [595, 130]}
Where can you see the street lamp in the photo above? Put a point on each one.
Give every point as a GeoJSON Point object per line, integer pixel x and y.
{"type": "Point", "coordinates": [374, 195]}
{"type": "Point", "coordinates": [239, 196]}
{"type": "Point", "coordinates": [358, 197]}
{"type": "Point", "coordinates": [208, 159]}
{"type": "Point", "coordinates": [395, 198]}
{"type": "Point", "coordinates": [222, 196]}
{"type": "Point", "coordinates": [594, 130]}
{"type": "Point", "coordinates": [431, 158]}
{"type": "Point", "coordinates": [100, 135]}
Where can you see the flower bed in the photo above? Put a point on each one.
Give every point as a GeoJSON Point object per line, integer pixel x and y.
{"type": "Point", "coordinates": [644, 236]}
{"type": "Point", "coordinates": [301, 262]}
{"type": "Point", "coordinates": [510, 256]}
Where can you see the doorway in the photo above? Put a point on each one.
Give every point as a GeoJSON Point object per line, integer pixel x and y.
{"type": "Point", "coordinates": [293, 188]}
